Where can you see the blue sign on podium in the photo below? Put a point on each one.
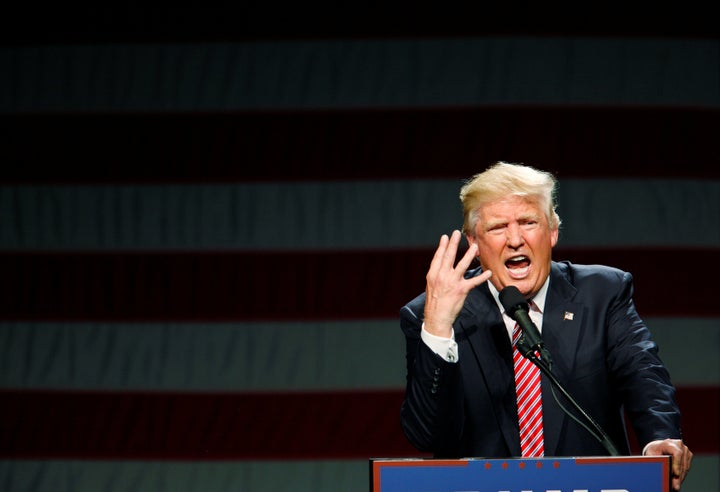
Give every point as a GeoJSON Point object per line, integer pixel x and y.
{"type": "Point", "coordinates": [588, 474]}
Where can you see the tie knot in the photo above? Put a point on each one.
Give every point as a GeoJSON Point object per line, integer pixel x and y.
{"type": "Point", "coordinates": [516, 334]}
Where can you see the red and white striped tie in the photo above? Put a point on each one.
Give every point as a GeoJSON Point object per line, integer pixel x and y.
{"type": "Point", "coordinates": [529, 402]}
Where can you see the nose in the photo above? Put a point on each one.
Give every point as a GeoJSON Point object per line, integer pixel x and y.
{"type": "Point", "coordinates": [515, 238]}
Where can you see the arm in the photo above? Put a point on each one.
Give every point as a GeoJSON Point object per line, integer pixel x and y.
{"type": "Point", "coordinates": [432, 413]}
{"type": "Point", "coordinates": [645, 383]}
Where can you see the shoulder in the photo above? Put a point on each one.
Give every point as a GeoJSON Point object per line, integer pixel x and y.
{"type": "Point", "coordinates": [415, 307]}
{"type": "Point", "coordinates": [577, 273]}
{"type": "Point", "coordinates": [412, 316]}
{"type": "Point", "coordinates": [591, 281]}
{"type": "Point", "coordinates": [597, 287]}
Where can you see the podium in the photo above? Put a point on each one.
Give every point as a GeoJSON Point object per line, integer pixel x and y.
{"type": "Point", "coordinates": [586, 474]}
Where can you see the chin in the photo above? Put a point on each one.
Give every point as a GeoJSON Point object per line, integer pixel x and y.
{"type": "Point", "coordinates": [524, 286]}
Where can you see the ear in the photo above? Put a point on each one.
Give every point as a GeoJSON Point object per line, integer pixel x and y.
{"type": "Point", "coordinates": [554, 233]}
{"type": "Point", "coordinates": [471, 239]}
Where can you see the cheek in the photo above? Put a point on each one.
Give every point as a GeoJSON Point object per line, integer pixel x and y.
{"type": "Point", "coordinates": [491, 245]}
{"type": "Point", "coordinates": [489, 254]}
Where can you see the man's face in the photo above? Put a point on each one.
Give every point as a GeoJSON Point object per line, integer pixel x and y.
{"type": "Point", "coordinates": [515, 242]}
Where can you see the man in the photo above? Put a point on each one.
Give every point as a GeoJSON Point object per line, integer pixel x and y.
{"type": "Point", "coordinates": [461, 397]}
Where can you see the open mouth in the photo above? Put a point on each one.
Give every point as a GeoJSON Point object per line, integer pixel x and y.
{"type": "Point", "coordinates": [518, 266]}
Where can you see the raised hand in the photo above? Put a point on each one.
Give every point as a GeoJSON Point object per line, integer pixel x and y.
{"type": "Point", "coordinates": [446, 287]}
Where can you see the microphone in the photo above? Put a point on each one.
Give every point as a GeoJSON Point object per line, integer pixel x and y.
{"type": "Point", "coordinates": [517, 308]}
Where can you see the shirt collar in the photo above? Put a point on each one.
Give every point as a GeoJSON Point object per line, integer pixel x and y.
{"type": "Point", "coordinates": [538, 299]}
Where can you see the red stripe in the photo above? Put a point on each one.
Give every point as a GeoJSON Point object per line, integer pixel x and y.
{"type": "Point", "coordinates": [357, 144]}
{"type": "Point", "coordinates": [201, 426]}
{"type": "Point", "coordinates": [700, 406]}
{"type": "Point", "coordinates": [283, 286]}
{"type": "Point", "coordinates": [241, 426]}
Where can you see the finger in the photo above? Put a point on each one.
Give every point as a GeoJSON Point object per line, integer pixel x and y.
{"type": "Point", "coordinates": [467, 258]}
{"type": "Point", "coordinates": [681, 461]}
{"type": "Point", "coordinates": [475, 281]}
{"type": "Point", "coordinates": [448, 260]}
{"type": "Point", "coordinates": [677, 464]}
{"type": "Point", "coordinates": [686, 459]}
{"type": "Point", "coordinates": [437, 259]}
{"type": "Point", "coordinates": [676, 484]}
{"type": "Point", "coordinates": [680, 458]}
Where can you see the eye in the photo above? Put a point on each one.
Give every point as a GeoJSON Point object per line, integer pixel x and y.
{"type": "Point", "coordinates": [496, 229]}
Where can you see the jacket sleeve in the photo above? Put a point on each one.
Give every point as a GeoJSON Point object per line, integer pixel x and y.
{"type": "Point", "coordinates": [432, 412]}
{"type": "Point", "coordinates": [638, 372]}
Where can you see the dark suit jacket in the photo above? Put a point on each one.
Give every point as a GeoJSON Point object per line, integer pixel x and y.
{"type": "Point", "coordinates": [604, 356]}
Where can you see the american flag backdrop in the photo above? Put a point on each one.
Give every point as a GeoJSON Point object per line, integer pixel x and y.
{"type": "Point", "coordinates": [209, 223]}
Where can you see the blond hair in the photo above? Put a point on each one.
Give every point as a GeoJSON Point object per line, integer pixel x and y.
{"type": "Point", "coordinates": [504, 179]}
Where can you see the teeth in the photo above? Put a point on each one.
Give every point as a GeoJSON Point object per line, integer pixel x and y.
{"type": "Point", "coordinates": [518, 273]}
{"type": "Point", "coordinates": [518, 258]}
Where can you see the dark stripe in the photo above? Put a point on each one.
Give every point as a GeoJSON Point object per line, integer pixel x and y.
{"type": "Point", "coordinates": [258, 21]}
{"type": "Point", "coordinates": [291, 286]}
{"type": "Point", "coordinates": [382, 144]}
{"type": "Point", "coordinates": [299, 425]}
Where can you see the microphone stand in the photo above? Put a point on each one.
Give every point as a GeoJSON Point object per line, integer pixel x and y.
{"type": "Point", "coordinates": [529, 353]}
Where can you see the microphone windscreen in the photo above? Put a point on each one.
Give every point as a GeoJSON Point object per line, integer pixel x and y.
{"type": "Point", "coordinates": [512, 299]}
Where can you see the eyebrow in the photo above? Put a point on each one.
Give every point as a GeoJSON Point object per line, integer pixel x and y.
{"type": "Point", "coordinates": [522, 218]}
{"type": "Point", "coordinates": [529, 217]}
{"type": "Point", "coordinates": [493, 223]}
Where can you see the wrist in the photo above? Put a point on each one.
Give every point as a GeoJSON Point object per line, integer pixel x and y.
{"type": "Point", "coordinates": [438, 329]}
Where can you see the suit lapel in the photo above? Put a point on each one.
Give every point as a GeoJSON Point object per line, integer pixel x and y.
{"type": "Point", "coordinates": [481, 325]}
{"type": "Point", "coordinates": [562, 321]}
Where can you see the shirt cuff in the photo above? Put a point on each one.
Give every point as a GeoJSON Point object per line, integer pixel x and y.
{"type": "Point", "coordinates": [444, 347]}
